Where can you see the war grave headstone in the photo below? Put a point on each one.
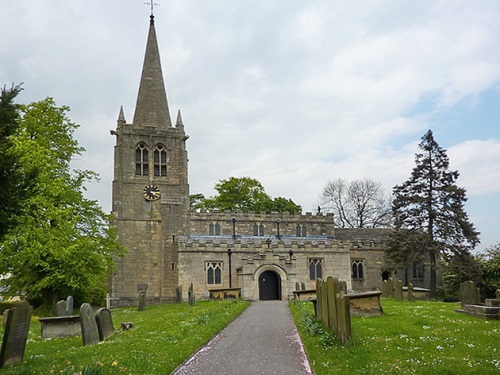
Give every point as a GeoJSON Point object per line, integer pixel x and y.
{"type": "Point", "coordinates": [90, 333]}
{"type": "Point", "coordinates": [104, 323]}
{"type": "Point", "coordinates": [16, 333]}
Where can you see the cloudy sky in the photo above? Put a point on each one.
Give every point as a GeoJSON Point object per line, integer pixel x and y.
{"type": "Point", "coordinates": [294, 93]}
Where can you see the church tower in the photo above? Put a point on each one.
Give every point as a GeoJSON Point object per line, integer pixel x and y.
{"type": "Point", "coordinates": [150, 190]}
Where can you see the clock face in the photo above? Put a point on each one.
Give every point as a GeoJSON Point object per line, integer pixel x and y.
{"type": "Point", "coordinates": [151, 192]}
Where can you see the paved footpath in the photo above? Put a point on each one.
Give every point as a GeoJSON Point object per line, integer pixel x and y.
{"type": "Point", "coordinates": [262, 340]}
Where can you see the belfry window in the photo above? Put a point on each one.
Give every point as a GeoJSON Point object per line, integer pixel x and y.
{"type": "Point", "coordinates": [301, 231]}
{"type": "Point", "coordinates": [258, 230]}
{"type": "Point", "coordinates": [315, 268]}
{"type": "Point", "coordinates": [214, 273]}
{"type": "Point", "coordinates": [141, 160]}
{"type": "Point", "coordinates": [357, 269]}
{"type": "Point", "coordinates": [214, 229]}
{"type": "Point", "coordinates": [160, 161]}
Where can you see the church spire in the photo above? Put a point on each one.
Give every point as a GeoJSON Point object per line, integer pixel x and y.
{"type": "Point", "coordinates": [152, 106]}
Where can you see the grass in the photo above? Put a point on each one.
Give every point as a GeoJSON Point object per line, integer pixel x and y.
{"type": "Point", "coordinates": [411, 338]}
{"type": "Point", "coordinates": [163, 337]}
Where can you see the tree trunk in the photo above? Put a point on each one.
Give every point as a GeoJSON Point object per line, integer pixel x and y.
{"type": "Point", "coordinates": [432, 279]}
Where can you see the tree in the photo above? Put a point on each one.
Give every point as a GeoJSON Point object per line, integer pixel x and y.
{"type": "Point", "coordinates": [62, 243]}
{"type": "Point", "coordinates": [489, 264]}
{"type": "Point", "coordinates": [429, 204]}
{"type": "Point", "coordinates": [357, 204]}
{"type": "Point", "coordinates": [9, 170]}
{"type": "Point", "coordinates": [243, 194]}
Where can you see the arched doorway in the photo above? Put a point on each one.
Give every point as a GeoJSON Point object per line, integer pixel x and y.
{"type": "Point", "coordinates": [386, 275]}
{"type": "Point", "coordinates": [269, 286]}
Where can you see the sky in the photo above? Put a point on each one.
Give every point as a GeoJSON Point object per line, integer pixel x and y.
{"type": "Point", "coordinates": [293, 93]}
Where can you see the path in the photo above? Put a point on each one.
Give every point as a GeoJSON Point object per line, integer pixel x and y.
{"type": "Point", "coordinates": [262, 340]}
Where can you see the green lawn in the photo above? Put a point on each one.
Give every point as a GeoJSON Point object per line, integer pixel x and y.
{"type": "Point", "coordinates": [163, 337]}
{"type": "Point", "coordinates": [410, 338]}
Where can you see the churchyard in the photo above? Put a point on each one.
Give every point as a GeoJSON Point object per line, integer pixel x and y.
{"type": "Point", "coordinates": [411, 337]}
{"type": "Point", "coordinates": [418, 337]}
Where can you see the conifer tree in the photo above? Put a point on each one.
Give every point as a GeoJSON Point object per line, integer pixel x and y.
{"type": "Point", "coordinates": [429, 207]}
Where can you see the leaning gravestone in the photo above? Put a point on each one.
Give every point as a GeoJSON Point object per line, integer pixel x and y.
{"type": "Point", "coordinates": [69, 305]}
{"type": "Point", "coordinates": [104, 323]}
{"type": "Point", "coordinates": [90, 333]}
{"type": "Point", "coordinates": [60, 309]}
{"type": "Point", "coordinates": [16, 333]}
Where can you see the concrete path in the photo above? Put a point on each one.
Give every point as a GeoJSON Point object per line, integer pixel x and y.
{"type": "Point", "coordinates": [262, 340]}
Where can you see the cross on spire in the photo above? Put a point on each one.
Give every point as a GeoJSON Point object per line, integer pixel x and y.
{"type": "Point", "coordinates": [152, 3]}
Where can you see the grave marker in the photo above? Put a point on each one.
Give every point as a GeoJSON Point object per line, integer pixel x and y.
{"type": "Point", "coordinates": [104, 323]}
{"type": "Point", "coordinates": [69, 305]}
{"type": "Point", "coordinates": [469, 293]}
{"type": "Point", "coordinates": [90, 333]}
{"type": "Point", "coordinates": [60, 308]}
{"type": "Point", "coordinates": [16, 333]}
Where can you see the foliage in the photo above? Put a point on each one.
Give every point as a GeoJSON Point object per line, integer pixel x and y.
{"type": "Point", "coordinates": [61, 244]}
{"type": "Point", "coordinates": [154, 346]}
{"type": "Point", "coordinates": [460, 268]}
{"type": "Point", "coordinates": [410, 338]}
{"type": "Point", "coordinates": [243, 194]}
{"type": "Point", "coordinates": [357, 204]}
{"type": "Point", "coordinates": [430, 206]}
{"type": "Point", "coordinates": [489, 264]}
{"type": "Point", "coordinates": [10, 194]}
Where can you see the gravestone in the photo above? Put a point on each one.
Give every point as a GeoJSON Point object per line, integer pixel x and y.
{"type": "Point", "coordinates": [390, 287]}
{"type": "Point", "coordinates": [297, 286]}
{"type": "Point", "coordinates": [302, 286]}
{"type": "Point", "coordinates": [60, 308]}
{"type": "Point", "coordinates": [90, 333]}
{"type": "Point", "coordinates": [191, 297]}
{"type": "Point", "coordinates": [108, 301]}
{"type": "Point", "coordinates": [178, 294]}
{"type": "Point", "coordinates": [16, 333]}
{"type": "Point", "coordinates": [142, 300]}
{"type": "Point", "coordinates": [104, 323]}
{"type": "Point", "coordinates": [411, 294]}
{"type": "Point", "coordinates": [69, 305]}
{"type": "Point", "coordinates": [469, 293]}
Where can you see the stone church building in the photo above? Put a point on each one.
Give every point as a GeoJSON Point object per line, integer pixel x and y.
{"type": "Point", "coordinates": [263, 256]}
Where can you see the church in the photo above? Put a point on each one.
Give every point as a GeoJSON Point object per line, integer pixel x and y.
{"type": "Point", "coordinates": [168, 245]}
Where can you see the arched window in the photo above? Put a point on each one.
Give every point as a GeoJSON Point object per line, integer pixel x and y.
{"type": "Point", "coordinates": [141, 160]}
{"type": "Point", "coordinates": [258, 230]}
{"type": "Point", "coordinates": [214, 229]}
{"type": "Point", "coordinates": [214, 272]}
{"type": "Point", "coordinates": [357, 270]}
{"type": "Point", "coordinates": [315, 268]}
{"type": "Point", "coordinates": [160, 161]}
{"type": "Point", "coordinates": [261, 230]}
{"type": "Point", "coordinates": [301, 231]}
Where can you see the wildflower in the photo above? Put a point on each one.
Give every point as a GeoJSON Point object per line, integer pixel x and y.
{"type": "Point", "coordinates": [115, 363]}
{"type": "Point", "coordinates": [439, 347]}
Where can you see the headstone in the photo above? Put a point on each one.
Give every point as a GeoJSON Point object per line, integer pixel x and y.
{"type": "Point", "coordinates": [90, 333]}
{"type": "Point", "coordinates": [60, 309]}
{"type": "Point", "coordinates": [302, 286]}
{"type": "Point", "coordinates": [104, 323]}
{"type": "Point", "coordinates": [69, 305]}
{"type": "Point", "coordinates": [470, 293]}
{"type": "Point", "coordinates": [178, 294]}
{"type": "Point", "coordinates": [108, 301]}
{"type": "Point", "coordinates": [332, 307]}
{"type": "Point", "coordinates": [142, 300]}
{"type": "Point", "coordinates": [297, 286]}
{"type": "Point", "coordinates": [390, 287]}
{"type": "Point", "coordinates": [191, 297]}
{"type": "Point", "coordinates": [16, 333]}
{"type": "Point", "coordinates": [411, 294]}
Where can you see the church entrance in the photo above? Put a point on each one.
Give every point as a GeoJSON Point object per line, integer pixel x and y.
{"type": "Point", "coordinates": [269, 286]}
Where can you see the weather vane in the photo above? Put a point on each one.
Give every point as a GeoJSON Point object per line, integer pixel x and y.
{"type": "Point", "coordinates": [152, 3]}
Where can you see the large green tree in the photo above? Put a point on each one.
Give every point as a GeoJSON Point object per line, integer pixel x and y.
{"type": "Point", "coordinates": [10, 176]}
{"type": "Point", "coordinates": [61, 243]}
{"type": "Point", "coordinates": [430, 206]}
{"type": "Point", "coordinates": [489, 264]}
{"type": "Point", "coordinates": [243, 194]}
